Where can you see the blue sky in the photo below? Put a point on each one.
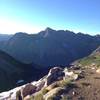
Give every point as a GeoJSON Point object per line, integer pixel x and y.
{"type": "Point", "coordinates": [33, 16]}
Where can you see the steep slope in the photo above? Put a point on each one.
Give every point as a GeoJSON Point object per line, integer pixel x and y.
{"type": "Point", "coordinates": [8, 67]}
{"type": "Point", "coordinates": [13, 72]}
{"type": "Point", "coordinates": [92, 60]}
{"type": "Point", "coordinates": [87, 87]}
{"type": "Point", "coordinates": [51, 47]}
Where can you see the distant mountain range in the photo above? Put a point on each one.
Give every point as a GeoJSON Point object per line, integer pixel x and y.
{"type": "Point", "coordinates": [5, 37]}
{"type": "Point", "coordinates": [50, 47]}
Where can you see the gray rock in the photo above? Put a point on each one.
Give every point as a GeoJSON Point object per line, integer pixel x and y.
{"type": "Point", "coordinates": [54, 74]}
{"type": "Point", "coordinates": [29, 89]}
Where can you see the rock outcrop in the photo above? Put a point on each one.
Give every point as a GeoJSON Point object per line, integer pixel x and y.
{"type": "Point", "coordinates": [54, 74]}
{"type": "Point", "coordinates": [29, 89]}
{"type": "Point", "coordinates": [47, 87]}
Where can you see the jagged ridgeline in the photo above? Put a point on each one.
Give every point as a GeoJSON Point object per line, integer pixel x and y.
{"type": "Point", "coordinates": [50, 47]}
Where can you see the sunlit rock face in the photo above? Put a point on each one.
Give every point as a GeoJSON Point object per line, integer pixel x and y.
{"type": "Point", "coordinates": [54, 74]}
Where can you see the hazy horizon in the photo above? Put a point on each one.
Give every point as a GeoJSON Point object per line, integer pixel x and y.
{"type": "Point", "coordinates": [44, 30]}
{"type": "Point", "coordinates": [34, 16]}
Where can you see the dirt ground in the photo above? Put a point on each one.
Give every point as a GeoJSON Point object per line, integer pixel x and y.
{"type": "Point", "coordinates": [87, 87]}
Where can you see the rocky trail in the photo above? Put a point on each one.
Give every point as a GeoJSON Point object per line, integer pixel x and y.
{"type": "Point", "coordinates": [86, 88]}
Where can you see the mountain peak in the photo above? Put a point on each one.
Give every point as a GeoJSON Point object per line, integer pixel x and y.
{"type": "Point", "coordinates": [46, 32]}
{"type": "Point", "coordinates": [20, 35]}
{"type": "Point", "coordinates": [49, 29]}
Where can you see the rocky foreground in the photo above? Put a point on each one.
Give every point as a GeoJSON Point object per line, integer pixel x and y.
{"type": "Point", "coordinates": [51, 87]}
{"type": "Point", "coordinates": [76, 83]}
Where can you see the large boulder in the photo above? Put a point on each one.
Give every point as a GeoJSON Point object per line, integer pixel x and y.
{"type": "Point", "coordinates": [54, 94]}
{"type": "Point", "coordinates": [71, 74]}
{"type": "Point", "coordinates": [40, 85]}
{"type": "Point", "coordinates": [29, 89]}
{"type": "Point", "coordinates": [54, 74]}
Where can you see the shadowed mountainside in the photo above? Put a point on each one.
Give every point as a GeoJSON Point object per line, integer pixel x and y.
{"type": "Point", "coordinates": [12, 71]}
{"type": "Point", "coordinates": [50, 47]}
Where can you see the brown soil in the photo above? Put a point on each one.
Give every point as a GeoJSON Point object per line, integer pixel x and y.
{"type": "Point", "coordinates": [86, 88]}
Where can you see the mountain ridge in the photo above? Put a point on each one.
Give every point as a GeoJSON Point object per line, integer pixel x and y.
{"type": "Point", "coordinates": [63, 46]}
